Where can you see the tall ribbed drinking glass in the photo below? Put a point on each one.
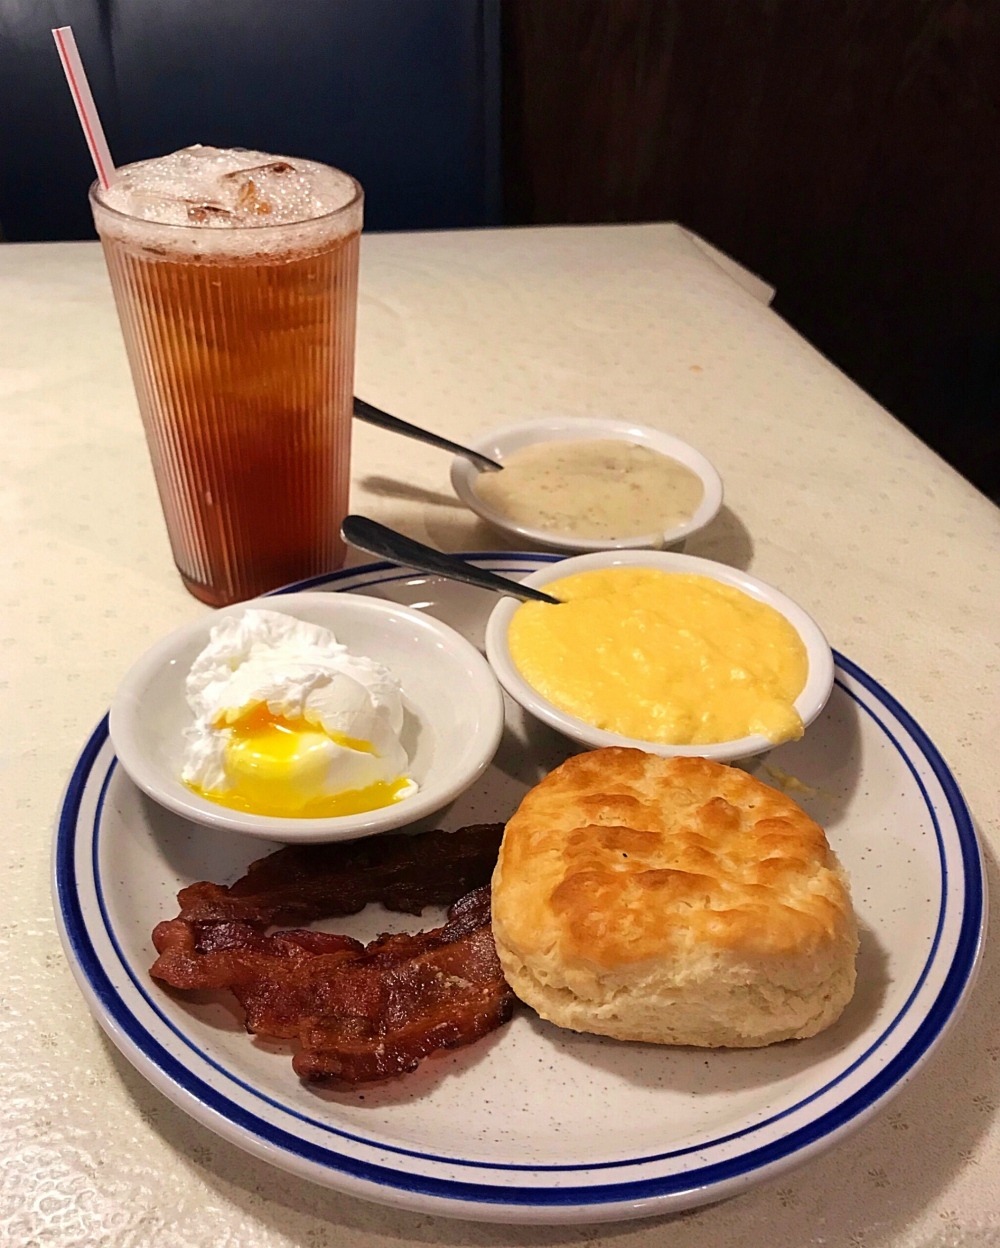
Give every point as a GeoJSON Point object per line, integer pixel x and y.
{"type": "Point", "coordinates": [236, 288]}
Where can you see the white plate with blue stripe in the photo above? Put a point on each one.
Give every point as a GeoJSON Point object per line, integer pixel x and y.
{"type": "Point", "coordinates": [535, 1124]}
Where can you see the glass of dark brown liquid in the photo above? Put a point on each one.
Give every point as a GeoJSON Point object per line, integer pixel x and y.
{"type": "Point", "coordinates": [235, 276]}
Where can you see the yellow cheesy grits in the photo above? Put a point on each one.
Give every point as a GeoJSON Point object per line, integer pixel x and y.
{"type": "Point", "coordinates": [662, 656]}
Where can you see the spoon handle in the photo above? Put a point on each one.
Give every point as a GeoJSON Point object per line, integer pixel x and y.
{"type": "Point", "coordinates": [377, 539]}
{"type": "Point", "coordinates": [375, 416]}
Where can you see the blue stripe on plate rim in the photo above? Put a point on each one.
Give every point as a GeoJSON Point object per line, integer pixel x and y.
{"type": "Point", "coordinates": [849, 1112]}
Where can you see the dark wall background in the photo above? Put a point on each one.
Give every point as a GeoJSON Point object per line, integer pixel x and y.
{"type": "Point", "coordinates": [846, 150]}
{"type": "Point", "coordinates": [403, 93]}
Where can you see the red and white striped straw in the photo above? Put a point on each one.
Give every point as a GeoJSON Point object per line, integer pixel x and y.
{"type": "Point", "coordinates": [85, 107]}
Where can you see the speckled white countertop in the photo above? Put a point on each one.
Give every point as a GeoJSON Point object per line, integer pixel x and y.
{"type": "Point", "coordinates": [827, 496]}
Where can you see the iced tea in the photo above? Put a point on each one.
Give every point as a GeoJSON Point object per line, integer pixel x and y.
{"type": "Point", "coordinates": [235, 277]}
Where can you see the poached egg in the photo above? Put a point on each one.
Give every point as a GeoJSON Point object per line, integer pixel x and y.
{"type": "Point", "coordinates": [289, 723]}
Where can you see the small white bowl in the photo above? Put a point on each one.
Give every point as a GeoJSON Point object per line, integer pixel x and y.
{"type": "Point", "coordinates": [809, 703]}
{"type": "Point", "coordinates": [501, 443]}
{"type": "Point", "coordinates": [450, 739]}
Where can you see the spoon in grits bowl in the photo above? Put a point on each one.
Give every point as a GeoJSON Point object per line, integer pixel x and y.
{"type": "Point", "coordinates": [378, 539]}
{"type": "Point", "coordinates": [382, 420]}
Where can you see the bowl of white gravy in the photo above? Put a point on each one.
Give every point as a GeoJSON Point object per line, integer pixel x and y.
{"type": "Point", "coordinates": [579, 484]}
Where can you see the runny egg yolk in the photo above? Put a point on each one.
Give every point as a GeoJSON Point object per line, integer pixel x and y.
{"type": "Point", "coordinates": [281, 767]}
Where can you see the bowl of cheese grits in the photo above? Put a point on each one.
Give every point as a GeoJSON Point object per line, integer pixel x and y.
{"type": "Point", "coordinates": [672, 654]}
{"type": "Point", "coordinates": [575, 485]}
{"type": "Point", "coordinates": [308, 717]}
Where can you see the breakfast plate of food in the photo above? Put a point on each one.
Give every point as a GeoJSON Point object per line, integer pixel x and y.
{"type": "Point", "coordinates": [500, 1091]}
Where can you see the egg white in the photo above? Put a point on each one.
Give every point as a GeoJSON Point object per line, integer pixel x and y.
{"type": "Point", "coordinates": [302, 674]}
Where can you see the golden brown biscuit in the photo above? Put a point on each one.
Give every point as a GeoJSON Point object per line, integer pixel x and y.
{"type": "Point", "coordinates": [677, 900]}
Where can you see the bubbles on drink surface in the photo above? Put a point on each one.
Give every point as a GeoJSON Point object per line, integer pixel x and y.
{"type": "Point", "coordinates": [228, 188]}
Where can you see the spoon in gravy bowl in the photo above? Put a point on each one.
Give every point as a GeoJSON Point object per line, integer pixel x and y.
{"type": "Point", "coordinates": [378, 539]}
{"type": "Point", "coordinates": [382, 420]}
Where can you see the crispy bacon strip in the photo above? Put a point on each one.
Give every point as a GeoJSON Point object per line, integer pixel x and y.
{"type": "Point", "coordinates": [359, 1013]}
{"type": "Point", "coordinates": [406, 997]}
{"type": "Point", "coordinates": [301, 883]}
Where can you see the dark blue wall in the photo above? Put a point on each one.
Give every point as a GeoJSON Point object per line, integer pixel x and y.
{"type": "Point", "coordinates": [403, 94]}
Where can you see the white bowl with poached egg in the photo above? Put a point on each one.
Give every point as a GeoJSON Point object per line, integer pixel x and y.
{"type": "Point", "coordinates": [445, 724]}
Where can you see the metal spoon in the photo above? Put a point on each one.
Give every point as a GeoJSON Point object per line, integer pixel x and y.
{"type": "Point", "coordinates": [377, 539]}
{"type": "Point", "coordinates": [375, 416]}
